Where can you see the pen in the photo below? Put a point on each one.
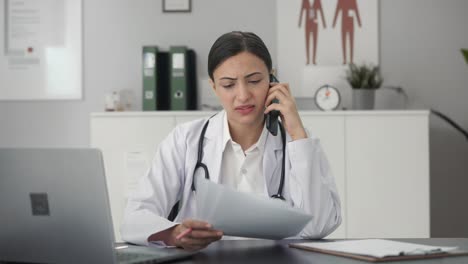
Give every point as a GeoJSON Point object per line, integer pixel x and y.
{"type": "Point", "coordinates": [186, 231]}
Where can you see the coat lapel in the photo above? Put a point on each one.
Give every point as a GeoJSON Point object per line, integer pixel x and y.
{"type": "Point", "coordinates": [272, 162]}
{"type": "Point", "coordinates": [213, 147]}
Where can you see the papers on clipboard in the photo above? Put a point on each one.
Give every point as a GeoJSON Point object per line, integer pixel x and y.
{"type": "Point", "coordinates": [378, 250]}
{"type": "Point", "coordinates": [246, 215]}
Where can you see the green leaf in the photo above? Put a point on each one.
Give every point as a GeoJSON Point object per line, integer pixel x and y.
{"type": "Point", "coordinates": [465, 53]}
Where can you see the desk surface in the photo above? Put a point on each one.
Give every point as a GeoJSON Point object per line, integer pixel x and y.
{"type": "Point", "coordinates": [267, 251]}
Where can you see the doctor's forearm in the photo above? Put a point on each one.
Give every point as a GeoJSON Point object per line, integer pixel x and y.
{"type": "Point", "coordinates": [312, 179]}
{"type": "Point", "coordinates": [326, 216]}
{"type": "Point", "coordinates": [165, 236]}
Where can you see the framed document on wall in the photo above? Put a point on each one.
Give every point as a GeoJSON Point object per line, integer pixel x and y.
{"type": "Point", "coordinates": [41, 50]}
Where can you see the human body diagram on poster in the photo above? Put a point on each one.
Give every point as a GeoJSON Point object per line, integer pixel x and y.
{"type": "Point", "coordinates": [311, 12]}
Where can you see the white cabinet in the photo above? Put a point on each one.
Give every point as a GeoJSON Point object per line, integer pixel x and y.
{"type": "Point", "coordinates": [387, 175]}
{"type": "Point", "coordinates": [380, 160]}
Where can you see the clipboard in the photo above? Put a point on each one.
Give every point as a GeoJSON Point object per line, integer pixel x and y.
{"type": "Point", "coordinates": [376, 259]}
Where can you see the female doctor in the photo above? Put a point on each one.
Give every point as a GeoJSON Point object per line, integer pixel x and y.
{"type": "Point", "coordinates": [238, 151]}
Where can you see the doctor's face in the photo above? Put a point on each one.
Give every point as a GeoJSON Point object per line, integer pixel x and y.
{"type": "Point", "coordinates": [241, 83]}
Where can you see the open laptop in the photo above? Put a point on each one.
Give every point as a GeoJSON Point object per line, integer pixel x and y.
{"type": "Point", "coordinates": [54, 208]}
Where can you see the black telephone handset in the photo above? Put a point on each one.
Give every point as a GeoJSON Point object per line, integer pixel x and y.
{"type": "Point", "coordinates": [272, 116]}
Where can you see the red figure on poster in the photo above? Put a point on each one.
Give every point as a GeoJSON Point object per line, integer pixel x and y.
{"type": "Point", "coordinates": [311, 25]}
{"type": "Point", "coordinates": [347, 24]}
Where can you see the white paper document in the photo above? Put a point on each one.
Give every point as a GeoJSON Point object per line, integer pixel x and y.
{"type": "Point", "coordinates": [246, 215]}
{"type": "Point", "coordinates": [378, 248]}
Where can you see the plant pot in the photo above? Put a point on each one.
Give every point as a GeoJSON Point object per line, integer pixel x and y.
{"type": "Point", "coordinates": [363, 99]}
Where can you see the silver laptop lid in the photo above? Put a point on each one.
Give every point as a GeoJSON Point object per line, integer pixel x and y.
{"type": "Point", "coordinates": [42, 195]}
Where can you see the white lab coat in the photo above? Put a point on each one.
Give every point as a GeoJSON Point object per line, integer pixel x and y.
{"type": "Point", "coordinates": [309, 184]}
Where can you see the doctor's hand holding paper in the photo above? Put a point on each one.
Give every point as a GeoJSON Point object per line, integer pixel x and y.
{"type": "Point", "coordinates": [241, 147]}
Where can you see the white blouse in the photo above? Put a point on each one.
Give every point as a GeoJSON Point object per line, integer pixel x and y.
{"type": "Point", "coordinates": [241, 170]}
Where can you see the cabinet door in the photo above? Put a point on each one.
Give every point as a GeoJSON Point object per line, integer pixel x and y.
{"type": "Point", "coordinates": [388, 175]}
{"type": "Point", "coordinates": [330, 130]}
{"type": "Point", "coordinates": [128, 144]}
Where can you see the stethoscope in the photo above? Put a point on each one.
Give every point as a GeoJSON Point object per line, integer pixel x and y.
{"type": "Point", "coordinates": [202, 166]}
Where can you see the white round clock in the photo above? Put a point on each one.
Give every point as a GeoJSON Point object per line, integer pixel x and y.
{"type": "Point", "coordinates": [327, 98]}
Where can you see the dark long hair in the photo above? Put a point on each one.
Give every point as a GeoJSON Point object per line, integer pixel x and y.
{"type": "Point", "coordinates": [233, 43]}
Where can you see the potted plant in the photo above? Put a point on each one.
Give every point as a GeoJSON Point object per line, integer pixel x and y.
{"type": "Point", "coordinates": [364, 79]}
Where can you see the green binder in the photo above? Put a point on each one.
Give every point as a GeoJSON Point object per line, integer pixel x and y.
{"type": "Point", "coordinates": [178, 79]}
{"type": "Point", "coordinates": [150, 78]}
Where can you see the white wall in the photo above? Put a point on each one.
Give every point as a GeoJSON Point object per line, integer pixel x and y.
{"type": "Point", "coordinates": [420, 42]}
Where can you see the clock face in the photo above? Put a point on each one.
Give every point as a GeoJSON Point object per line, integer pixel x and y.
{"type": "Point", "coordinates": [327, 98]}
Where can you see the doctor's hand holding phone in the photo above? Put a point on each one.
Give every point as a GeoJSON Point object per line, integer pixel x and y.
{"type": "Point", "coordinates": [238, 147]}
{"type": "Point", "coordinates": [280, 102]}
